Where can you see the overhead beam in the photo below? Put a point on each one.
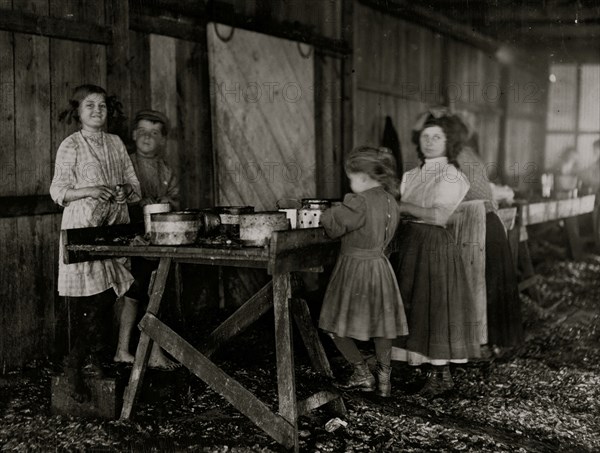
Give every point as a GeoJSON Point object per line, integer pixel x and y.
{"type": "Point", "coordinates": [521, 15]}
{"type": "Point", "coordinates": [225, 13]}
{"type": "Point", "coordinates": [563, 31]}
{"type": "Point", "coordinates": [52, 27]}
{"type": "Point", "coordinates": [490, 13]}
{"type": "Point", "coordinates": [430, 17]}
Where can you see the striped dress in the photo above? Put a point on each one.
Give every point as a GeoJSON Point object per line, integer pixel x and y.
{"type": "Point", "coordinates": [85, 160]}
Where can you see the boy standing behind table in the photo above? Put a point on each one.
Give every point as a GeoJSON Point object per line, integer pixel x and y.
{"type": "Point", "coordinates": [159, 184]}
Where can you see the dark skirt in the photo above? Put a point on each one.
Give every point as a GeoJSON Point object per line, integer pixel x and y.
{"type": "Point", "coordinates": [363, 299]}
{"type": "Point", "coordinates": [505, 325]}
{"type": "Point", "coordinates": [442, 322]}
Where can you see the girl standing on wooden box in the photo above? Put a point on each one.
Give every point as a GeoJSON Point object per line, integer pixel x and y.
{"type": "Point", "coordinates": [441, 312]}
{"type": "Point", "coordinates": [93, 180]}
{"type": "Point", "coordinates": [363, 301]}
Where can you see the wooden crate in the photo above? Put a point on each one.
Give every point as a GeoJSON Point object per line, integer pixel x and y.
{"type": "Point", "coordinates": [106, 398]}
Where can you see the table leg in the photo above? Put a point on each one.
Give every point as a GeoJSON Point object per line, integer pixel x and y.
{"type": "Point", "coordinates": [573, 237]}
{"type": "Point", "coordinates": [142, 353]}
{"type": "Point", "coordinates": [529, 277]}
{"type": "Point", "coordinates": [286, 382]}
{"type": "Point", "coordinates": [513, 243]}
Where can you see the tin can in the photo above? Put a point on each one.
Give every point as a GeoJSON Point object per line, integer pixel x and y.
{"type": "Point", "coordinates": [309, 215]}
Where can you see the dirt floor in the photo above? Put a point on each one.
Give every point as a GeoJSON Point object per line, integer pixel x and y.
{"type": "Point", "coordinates": [545, 396]}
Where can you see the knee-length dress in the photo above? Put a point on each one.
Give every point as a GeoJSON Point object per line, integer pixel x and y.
{"type": "Point", "coordinates": [363, 300]}
{"type": "Point", "coordinates": [505, 323]}
{"type": "Point", "coordinates": [441, 312]}
{"type": "Point", "coordinates": [85, 160]}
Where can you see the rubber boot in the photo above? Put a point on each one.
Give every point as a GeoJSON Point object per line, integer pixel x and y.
{"type": "Point", "coordinates": [361, 379]}
{"type": "Point", "coordinates": [384, 385]}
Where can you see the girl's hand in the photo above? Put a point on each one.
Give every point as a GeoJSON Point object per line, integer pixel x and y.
{"type": "Point", "coordinates": [122, 192]}
{"type": "Point", "coordinates": [103, 193]}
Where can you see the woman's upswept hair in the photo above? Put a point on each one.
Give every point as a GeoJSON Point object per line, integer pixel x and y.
{"type": "Point", "coordinates": [378, 163]}
{"type": "Point", "coordinates": [453, 129]}
{"type": "Point", "coordinates": [113, 106]}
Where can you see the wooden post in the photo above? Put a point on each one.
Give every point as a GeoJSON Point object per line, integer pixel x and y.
{"type": "Point", "coordinates": [504, 105]}
{"type": "Point", "coordinates": [286, 382]}
{"type": "Point", "coordinates": [194, 116]}
{"type": "Point", "coordinates": [348, 85]}
{"type": "Point", "coordinates": [573, 237]}
{"type": "Point", "coordinates": [118, 76]}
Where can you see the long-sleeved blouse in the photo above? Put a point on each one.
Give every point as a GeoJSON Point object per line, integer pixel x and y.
{"type": "Point", "coordinates": [437, 184]}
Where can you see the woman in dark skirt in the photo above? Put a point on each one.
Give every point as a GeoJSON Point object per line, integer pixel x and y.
{"type": "Point", "coordinates": [505, 325]}
{"type": "Point", "coordinates": [441, 312]}
{"type": "Point", "coordinates": [504, 320]}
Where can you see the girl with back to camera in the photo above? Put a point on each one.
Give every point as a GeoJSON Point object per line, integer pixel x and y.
{"type": "Point", "coordinates": [428, 264]}
{"type": "Point", "coordinates": [362, 300]}
{"type": "Point", "coordinates": [93, 180]}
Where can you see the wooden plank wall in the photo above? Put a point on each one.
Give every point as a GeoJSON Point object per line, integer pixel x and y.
{"type": "Point", "coordinates": [524, 137]}
{"type": "Point", "coordinates": [397, 74]}
{"type": "Point", "coordinates": [169, 75]}
{"type": "Point", "coordinates": [473, 89]}
{"type": "Point", "coordinates": [37, 75]}
{"type": "Point", "coordinates": [402, 68]}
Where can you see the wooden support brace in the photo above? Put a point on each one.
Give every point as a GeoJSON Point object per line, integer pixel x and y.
{"type": "Point", "coordinates": [317, 400]}
{"type": "Point", "coordinates": [142, 353]}
{"type": "Point", "coordinates": [274, 425]}
{"type": "Point", "coordinates": [533, 280]}
{"type": "Point", "coordinates": [310, 337]}
{"type": "Point", "coordinates": [316, 353]}
{"type": "Point", "coordinates": [241, 319]}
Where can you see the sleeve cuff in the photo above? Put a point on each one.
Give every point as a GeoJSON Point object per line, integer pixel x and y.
{"type": "Point", "coordinates": [60, 196]}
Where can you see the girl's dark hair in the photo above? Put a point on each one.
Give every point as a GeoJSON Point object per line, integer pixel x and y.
{"type": "Point", "coordinates": [378, 163]}
{"type": "Point", "coordinates": [113, 106]}
{"type": "Point", "coordinates": [453, 129]}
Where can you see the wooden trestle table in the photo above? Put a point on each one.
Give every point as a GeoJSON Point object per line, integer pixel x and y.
{"type": "Point", "coordinates": [288, 251]}
{"type": "Point", "coordinates": [533, 213]}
